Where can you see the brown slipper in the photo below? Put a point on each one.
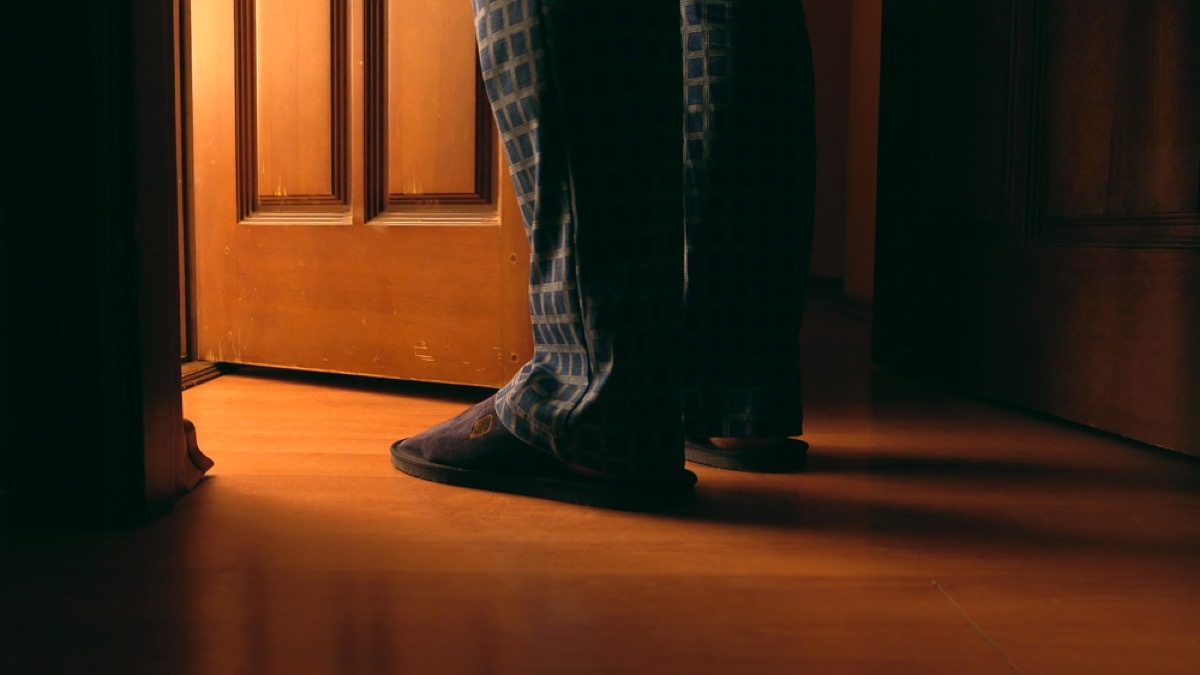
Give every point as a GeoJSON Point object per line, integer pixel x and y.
{"type": "Point", "coordinates": [790, 455]}
{"type": "Point", "coordinates": [474, 450]}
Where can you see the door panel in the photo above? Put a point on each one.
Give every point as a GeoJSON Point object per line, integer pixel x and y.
{"type": "Point", "coordinates": [1038, 232]}
{"type": "Point", "coordinates": [432, 110]}
{"type": "Point", "coordinates": [291, 53]}
{"type": "Point", "coordinates": [348, 208]}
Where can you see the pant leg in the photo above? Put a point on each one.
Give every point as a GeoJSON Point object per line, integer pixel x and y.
{"type": "Point", "coordinates": [588, 103]}
{"type": "Point", "coordinates": [749, 163]}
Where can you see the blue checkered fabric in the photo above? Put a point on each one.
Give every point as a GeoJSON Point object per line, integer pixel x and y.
{"type": "Point", "coordinates": [592, 107]}
{"type": "Point", "coordinates": [749, 160]}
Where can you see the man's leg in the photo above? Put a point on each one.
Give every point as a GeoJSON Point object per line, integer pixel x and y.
{"type": "Point", "coordinates": [588, 101]}
{"type": "Point", "coordinates": [749, 162]}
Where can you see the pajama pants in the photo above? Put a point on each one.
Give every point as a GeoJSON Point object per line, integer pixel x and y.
{"type": "Point", "coordinates": [663, 158]}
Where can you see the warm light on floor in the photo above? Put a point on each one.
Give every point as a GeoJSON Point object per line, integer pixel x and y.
{"type": "Point", "coordinates": [932, 534]}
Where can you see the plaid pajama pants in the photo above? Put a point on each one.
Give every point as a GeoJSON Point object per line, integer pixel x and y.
{"type": "Point", "coordinates": [669, 213]}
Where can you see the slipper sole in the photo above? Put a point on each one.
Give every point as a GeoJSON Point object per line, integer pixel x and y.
{"type": "Point", "coordinates": [791, 457]}
{"type": "Point", "coordinates": [609, 493]}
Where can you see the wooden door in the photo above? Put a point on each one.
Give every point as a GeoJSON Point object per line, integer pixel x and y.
{"type": "Point", "coordinates": [350, 205]}
{"type": "Point", "coordinates": [1039, 224]}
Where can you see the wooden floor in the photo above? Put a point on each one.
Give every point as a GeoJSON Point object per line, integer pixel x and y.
{"type": "Point", "coordinates": [933, 534]}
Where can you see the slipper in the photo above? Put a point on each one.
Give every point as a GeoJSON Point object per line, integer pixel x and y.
{"type": "Point", "coordinates": [790, 455]}
{"type": "Point", "coordinates": [474, 450]}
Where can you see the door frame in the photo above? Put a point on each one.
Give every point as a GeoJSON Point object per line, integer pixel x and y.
{"type": "Point", "coordinates": [94, 426]}
{"type": "Point", "coordinates": [157, 162]}
{"type": "Point", "coordinates": [156, 175]}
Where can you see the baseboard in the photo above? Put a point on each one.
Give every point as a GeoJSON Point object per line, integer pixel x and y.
{"type": "Point", "coordinates": [199, 372]}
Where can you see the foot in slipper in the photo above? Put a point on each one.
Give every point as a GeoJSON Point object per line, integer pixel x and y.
{"type": "Point", "coordinates": [776, 455]}
{"type": "Point", "coordinates": [474, 450]}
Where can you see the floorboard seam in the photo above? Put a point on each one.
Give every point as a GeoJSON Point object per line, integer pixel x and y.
{"type": "Point", "coordinates": [987, 638]}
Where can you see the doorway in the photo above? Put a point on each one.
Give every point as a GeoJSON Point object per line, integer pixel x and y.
{"type": "Point", "coordinates": [346, 205]}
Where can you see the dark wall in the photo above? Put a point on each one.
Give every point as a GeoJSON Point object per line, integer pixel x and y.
{"type": "Point", "coordinates": [829, 28]}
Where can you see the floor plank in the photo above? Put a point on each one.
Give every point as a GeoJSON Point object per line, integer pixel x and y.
{"type": "Point", "coordinates": [932, 534]}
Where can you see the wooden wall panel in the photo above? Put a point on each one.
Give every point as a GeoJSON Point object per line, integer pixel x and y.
{"type": "Point", "coordinates": [1122, 75]}
{"type": "Point", "coordinates": [431, 116]}
{"type": "Point", "coordinates": [1105, 116]}
{"type": "Point", "coordinates": [991, 282]}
